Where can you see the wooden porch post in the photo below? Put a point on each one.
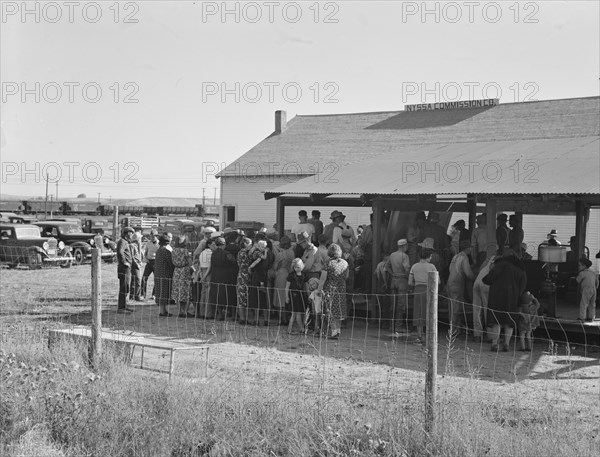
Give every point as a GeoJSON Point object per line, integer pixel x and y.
{"type": "Point", "coordinates": [377, 221]}
{"type": "Point", "coordinates": [472, 205]}
{"type": "Point", "coordinates": [582, 214]}
{"type": "Point", "coordinates": [280, 216]}
{"type": "Point", "coordinates": [490, 207]}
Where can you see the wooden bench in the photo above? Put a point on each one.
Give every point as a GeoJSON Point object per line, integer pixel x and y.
{"type": "Point", "coordinates": [130, 341]}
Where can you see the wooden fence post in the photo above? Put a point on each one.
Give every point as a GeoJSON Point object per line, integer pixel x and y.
{"type": "Point", "coordinates": [96, 343]}
{"type": "Point", "coordinates": [432, 348]}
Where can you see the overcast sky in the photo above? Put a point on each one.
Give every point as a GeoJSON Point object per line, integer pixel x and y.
{"type": "Point", "coordinates": [127, 100]}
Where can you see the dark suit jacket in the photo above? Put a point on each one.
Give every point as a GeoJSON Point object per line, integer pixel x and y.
{"type": "Point", "coordinates": [124, 254]}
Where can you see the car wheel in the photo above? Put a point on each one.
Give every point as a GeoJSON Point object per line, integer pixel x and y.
{"type": "Point", "coordinates": [34, 261]}
{"type": "Point", "coordinates": [68, 261]}
{"type": "Point", "coordinates": [79, 256]}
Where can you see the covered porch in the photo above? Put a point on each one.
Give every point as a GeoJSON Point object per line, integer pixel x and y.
{"type": "Point", "coordinates": [544, 176]}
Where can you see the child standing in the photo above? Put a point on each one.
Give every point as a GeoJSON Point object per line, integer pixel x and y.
{"type": "Point", "coordinates": [528, 320]}
{"type": "Point", "coordinates": [295, 293]}
{"type": "Point", "coordinates": [588, 284]}
{"type": "Point", "coordinates": [316, 300]}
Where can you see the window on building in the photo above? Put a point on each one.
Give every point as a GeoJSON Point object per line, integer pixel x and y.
{"type": "Point", "coordinates": [229, 213]}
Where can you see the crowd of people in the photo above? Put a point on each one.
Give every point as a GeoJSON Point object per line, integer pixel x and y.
{"type": "Point", "coordinates": [303, 280]}
{"type": "Point", "coordinates": [494, 287]}
{"type": "Point", "coordinates": [300, 280]}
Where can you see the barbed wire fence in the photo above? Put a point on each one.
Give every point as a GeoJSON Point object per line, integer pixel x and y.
{"type": "Point", "coordinates": [372, 336]}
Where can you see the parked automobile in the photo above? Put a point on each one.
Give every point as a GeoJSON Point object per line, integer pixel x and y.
{"type": "Point", "coordinates": [22, 219]}
{"type": "Point", "coordinates": [22, 244]}
{"type": "Point", "coordinates": [6, 215]}
{"type": "Point", "coordinates": [71, 234]}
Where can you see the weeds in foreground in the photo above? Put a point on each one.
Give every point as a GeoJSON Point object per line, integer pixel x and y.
{"type": "Point", "coordinates": [52, 404]}
{"type": "Point", "coordinates": [450, 351]}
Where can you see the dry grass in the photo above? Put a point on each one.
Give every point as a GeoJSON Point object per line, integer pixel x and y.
{"type": "Point", "coordinates": [263, 402]}
{"type": "Point", "coordinates": [52, 402]}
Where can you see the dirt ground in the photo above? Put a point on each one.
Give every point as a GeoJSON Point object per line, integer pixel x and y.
{"type": "Point", "coordinates": [364, 358]}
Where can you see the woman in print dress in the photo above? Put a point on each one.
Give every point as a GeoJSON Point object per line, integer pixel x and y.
{"type": "Point", "coordinates": [333, 285]}
{"type": "Point", "coordinates": [182, 276]}
{"type": "Point", "coordinates": [243, 279]}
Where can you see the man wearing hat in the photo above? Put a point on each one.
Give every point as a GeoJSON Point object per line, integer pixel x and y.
{"type": "Point", "coordinates": [588, 285]}
{"type": "Point", "coordinates": [312, 265]}
{"type": "Point", "coordinates": [399, 265]}
{"type": "Point", "coordinates": [479, 240]}
{"type": "Point", "coordinates": [460, 274]}
{"type": "Point", "coordinates": [207, 232]}
{"type": "Point", "coordinates": [336, 217]}
{"type": "Point", "coordinates": [150, 256]}
{"type": "Point", "coordinates": [502, 232]}
{"type": "Point", "coordinates": [552, 239]}
{"type": "Point", "coordinates": [125, 259]}
{"type": "Point", "coordinates": [344, 236]}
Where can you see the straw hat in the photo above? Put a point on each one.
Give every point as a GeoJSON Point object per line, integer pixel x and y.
{"type": "Point", "coordinates": [427, 243]}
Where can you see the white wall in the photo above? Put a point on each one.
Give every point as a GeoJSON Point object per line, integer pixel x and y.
{"type": "Point", "coordinates": [250, 204]}
{"type": "Point", "coordinates": [536, 227]}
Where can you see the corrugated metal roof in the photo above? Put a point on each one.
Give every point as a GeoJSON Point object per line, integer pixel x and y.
{"type": "Point", "coordinates": [341, 139]}
{"type": "Point", "coordinates": [548, 166]}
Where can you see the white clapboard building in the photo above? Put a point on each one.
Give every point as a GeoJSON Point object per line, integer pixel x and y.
{"type": "Point", "coordinates": [319, 146]}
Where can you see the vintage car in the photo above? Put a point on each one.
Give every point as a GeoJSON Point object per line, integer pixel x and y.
{"type": "Point", "coordinates": [22, 219]}
{"type": "Point", "coordinates": [71, 234]}
{"type": "Point", "coordinates": [22, 244]}
{"type": "Point", "coordinates": [6, 215]}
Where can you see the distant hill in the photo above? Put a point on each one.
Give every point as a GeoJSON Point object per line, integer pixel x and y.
{"type": "Point", "coordinates": [18, 197]}
{"type": "Point", "coordinates": [148, 201]}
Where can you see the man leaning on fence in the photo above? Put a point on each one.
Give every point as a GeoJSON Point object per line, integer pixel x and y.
{"type": "Point", "coordinates": [125, 259]}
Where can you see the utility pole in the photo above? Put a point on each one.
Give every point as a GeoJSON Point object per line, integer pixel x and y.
{"type": "Point", "coordinates": [215, 198]}
{"type": "Point", "coordinates": [51, 205]}
{"type": "Point", "coordinates": [203, 198]}
{"type": "Point", "coordinates": [46, 201]}
{"type": "Point", "coordinates": [57, 191]}
{"type": "Point", "coordinates": [98, 197]}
